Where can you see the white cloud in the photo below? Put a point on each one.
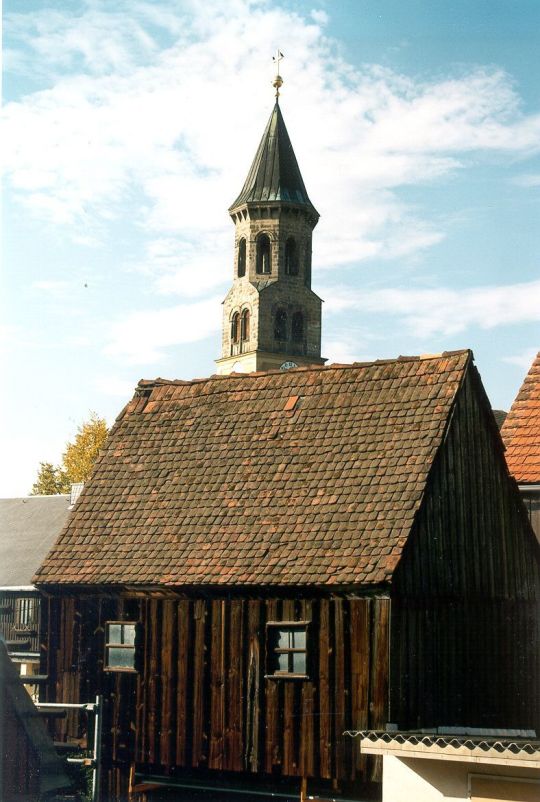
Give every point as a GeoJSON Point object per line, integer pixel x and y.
{"type": "Point", "coordinates": [426, 312]}
{"type": "Point", "coordinates": [141, 337]}
{"type": "Point", "coordinates": [524, 359]}
{"type": "Point", "coordinates": [528, 180]}
{"type": "Point", "coordinates": [165, 133]}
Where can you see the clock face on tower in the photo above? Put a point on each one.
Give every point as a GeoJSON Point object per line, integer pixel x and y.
{"type": "Point", "coordinates": [288, 365]}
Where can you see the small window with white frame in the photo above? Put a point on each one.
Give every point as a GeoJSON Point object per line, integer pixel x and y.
{"type": "Point", "coordinates": [120, 646]}
{"type": "Point", "coordinates": [287, 649]}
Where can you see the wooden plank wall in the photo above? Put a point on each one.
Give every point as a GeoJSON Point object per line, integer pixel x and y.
{"type": "Point", "coordinates": [201, 699]}
{"type": "Point", "coordinates": [465, 600]}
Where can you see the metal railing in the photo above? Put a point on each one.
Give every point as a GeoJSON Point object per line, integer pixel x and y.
{"type": "Point", "coordinates": [93, 762]}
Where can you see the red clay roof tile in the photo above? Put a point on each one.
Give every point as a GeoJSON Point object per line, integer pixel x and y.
{"type": "Point", "coordinates": [521, 429]}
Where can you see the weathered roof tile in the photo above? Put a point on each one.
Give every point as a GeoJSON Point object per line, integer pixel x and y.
{"type": "Point", "coordinates": [210, 482]}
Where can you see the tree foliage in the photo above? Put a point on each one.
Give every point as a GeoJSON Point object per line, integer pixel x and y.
{"type": "Point", "coordinates": [77, 460]}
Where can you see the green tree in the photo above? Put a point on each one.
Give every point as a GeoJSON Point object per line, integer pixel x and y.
{"type": "Point", "coordinates": [50, 481]}
{"type": "Point", "coordinates": [77, 460]}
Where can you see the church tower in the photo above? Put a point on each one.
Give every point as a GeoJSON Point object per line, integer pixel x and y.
{"type": "Point", "coordinates": [271, 316]}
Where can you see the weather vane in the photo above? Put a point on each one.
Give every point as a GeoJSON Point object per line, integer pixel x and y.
{"type": "Point", "coordinates": [277, 83]}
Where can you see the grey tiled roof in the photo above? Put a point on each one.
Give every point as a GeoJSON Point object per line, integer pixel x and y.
{"type": "Point", "coordinates": [28, 528]}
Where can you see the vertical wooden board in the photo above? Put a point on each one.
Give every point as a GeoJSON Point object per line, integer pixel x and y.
{"type": "Point", "coordinates": [379, 673]}
{"type": "Point", "coordinates": [272, 751]}
{"type": "Point", "coordinates": [142, 700]}
{"type": "Point", "coordinates": [325, 717]}
{"type": "Point", "coordinates": [217, 684]}
{"type": "Point", "coordinates": [339, 690]}
{"type": "Point", "coordinates": [360, 665]}
{"type": "Point", "coordinates": [152, 708]}
{"type": "Point", "coordinates": [184, 649]}
{"type": "Point", "coordinates": [168, 670]}
{"type": "Point", "coordinates": [307, 699]}
{"type": "Point", "coordinates": [253, 687]}
{"type": "Point", "coordinates": [290, 722]}
{"type": "Point", "coordinates": [198, 755]}
{"type": "Point", "coordinates": [234, 687]}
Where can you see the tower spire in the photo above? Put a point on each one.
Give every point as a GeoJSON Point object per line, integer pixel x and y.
{"type": "Point", "coordinates": [277, 83]}
{"type": "Point", "coordinates": [271, 316]}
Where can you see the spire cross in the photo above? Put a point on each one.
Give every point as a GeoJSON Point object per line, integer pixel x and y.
{"type": "Point", "coordinates": [278, 80]}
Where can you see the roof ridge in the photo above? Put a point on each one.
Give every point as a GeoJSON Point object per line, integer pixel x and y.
{"type": "Point", "coordinates": [161, 382]}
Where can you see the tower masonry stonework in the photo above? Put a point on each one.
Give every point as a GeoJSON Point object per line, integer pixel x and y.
{"type": "Point", "coordinates": [271, 316]}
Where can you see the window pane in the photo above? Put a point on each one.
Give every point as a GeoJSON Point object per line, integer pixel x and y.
{"type": "Point", "coordinates": [299, 662]}
{"type": "Point", "coordinates": [284, 639]}
{"type": "Point", "coordinates": [299, 638]}
{"type": "Point", "coordinates": [283, 662]}
{"type": "Point", "coordinates": [114, 634]}
{"type": "Point", "coordinates": [120, 658]}
{"type": "Point", "coordinates": [129, 634]}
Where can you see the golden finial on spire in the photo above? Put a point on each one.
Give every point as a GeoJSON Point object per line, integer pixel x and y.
{"type": "Point", "coordinates": [277, 83]}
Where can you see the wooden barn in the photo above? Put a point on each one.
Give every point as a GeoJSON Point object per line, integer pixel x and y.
{"type": "Point", "coordinates": [261, 562]}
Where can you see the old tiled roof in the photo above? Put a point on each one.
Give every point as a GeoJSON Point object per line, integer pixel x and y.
{"type": "Point", "coordinates": [306, 476]}
{"type": "Point", "coordinates": [521, 429]}
{"type": "Point", "coordinates": [274, 174]}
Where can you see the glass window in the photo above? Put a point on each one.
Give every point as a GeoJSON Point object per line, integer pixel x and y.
{"type": "Point", "coordinates": [120, 646]}
{"type": "Point", "coordinates": [287, 649]}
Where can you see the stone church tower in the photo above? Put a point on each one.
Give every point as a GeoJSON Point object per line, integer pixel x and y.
{"type": "Point", "coordinates": [271, 316]}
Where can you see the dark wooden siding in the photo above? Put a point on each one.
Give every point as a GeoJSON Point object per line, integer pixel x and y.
{"type": "Point", "coordinates": [465, 640]}
{"type": "Point", "coordinates": [201, 699]}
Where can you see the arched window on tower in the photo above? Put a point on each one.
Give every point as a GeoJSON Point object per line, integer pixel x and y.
{"type": "Point", "coordinates": [244, 326]}
{"type": "Point", "coordinates": [297, 327]}
{"type": "Point", "coordinates": [307, 270]}
{"type": "Point", "coordinates": [235, 327]}
{"type": "Point", "coordinates": [291, 257]}
{"type": "Point", "coordinates": [280, 325]}
{"type": "Point", "coordinates": [241, 269]}
{"type": "Point", "coordinates": [263, 264]}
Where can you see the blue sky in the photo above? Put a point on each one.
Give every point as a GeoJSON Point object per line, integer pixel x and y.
{"type": "Point", "coordinates": [129, 128]}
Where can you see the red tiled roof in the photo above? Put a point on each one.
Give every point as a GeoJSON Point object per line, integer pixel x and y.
{"type": "Point", "coordinates": [521, 429]}
{"type": "Point", "coordinates": [227, 481]}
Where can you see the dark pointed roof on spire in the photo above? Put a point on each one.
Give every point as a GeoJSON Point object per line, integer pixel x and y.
{"type": "Point", "coordinates": [274, 174]}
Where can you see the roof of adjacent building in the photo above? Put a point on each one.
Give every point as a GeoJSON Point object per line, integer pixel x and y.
{"type": "Point", "coordinates": [28, 528]}
{"type": "Point", "coordinates": [521, 429]}
{"type": "Point", "coordinates": [308, 476]}
{"type": "Point", "coordinates": [274, 174]}
{"type": "Point", "coordinates": [22, 721]}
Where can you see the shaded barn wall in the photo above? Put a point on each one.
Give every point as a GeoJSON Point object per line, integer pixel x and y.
{"type": "Point", "coordinates": [201, 699]}
{"type": "Point", "coordinates": [465, 637]}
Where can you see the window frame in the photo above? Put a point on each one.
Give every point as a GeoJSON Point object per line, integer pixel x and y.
{"type": "Point", "coordinates": [244, 325]}
{"type": "Point", "coordinates": [127, 646]}
{"type": "Point", "coordinates": [259, 256]}
{"type": "Point", "coordinates": [283, 323]}
{"type": "Point", "coordinates": [292, 266]}
{"type": "Point", "coordinates": [273, 651]}
{"type": "Point", "coordinates": [242, 258]}
{"type": "Point", "coordinates": [235, 328]}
